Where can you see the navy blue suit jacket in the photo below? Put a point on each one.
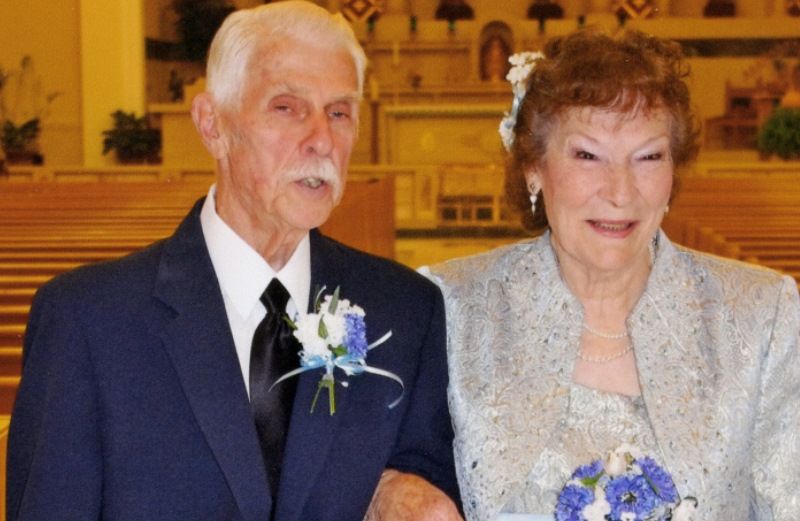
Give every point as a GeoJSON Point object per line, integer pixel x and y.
{"type": "Point", "coordinates": [132, 404]}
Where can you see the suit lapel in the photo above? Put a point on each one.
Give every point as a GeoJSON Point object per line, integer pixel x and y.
{"type": "Point", "coordinates": [310, 435]}
{"type": "Point", "coordinates": [200, 344]}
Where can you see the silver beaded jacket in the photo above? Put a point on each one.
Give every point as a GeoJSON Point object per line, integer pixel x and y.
{"type": "Point", "coordinates": [716, 344]}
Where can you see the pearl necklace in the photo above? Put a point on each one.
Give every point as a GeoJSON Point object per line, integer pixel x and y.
{"type": "Point", "coordinates": [604, 334]}
{"type": "Point", "coordinates": [604, 359]}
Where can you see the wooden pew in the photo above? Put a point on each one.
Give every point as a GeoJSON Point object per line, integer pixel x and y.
{"type": "Point", "coordinates": [48, 228]}
{"type": "Point", "coordinates": [752, 218]}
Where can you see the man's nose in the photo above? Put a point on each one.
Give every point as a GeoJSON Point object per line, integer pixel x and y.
{"type": "Point", "coordinates": [319, 137]}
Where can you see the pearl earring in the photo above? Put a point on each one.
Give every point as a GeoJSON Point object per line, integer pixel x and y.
{"type": "Point", "coordinates": [534, 198]}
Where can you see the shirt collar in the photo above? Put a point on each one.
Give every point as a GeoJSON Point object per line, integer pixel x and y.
{"type": "Point", "coordinates": [243, 274]}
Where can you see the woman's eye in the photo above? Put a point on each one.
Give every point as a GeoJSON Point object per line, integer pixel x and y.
{"type": "Point", "coordinates": [583, 154]}
{"type": "Point", "coordinates": [655, 156]}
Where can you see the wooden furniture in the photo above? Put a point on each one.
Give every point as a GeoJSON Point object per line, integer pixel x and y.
{"type": "Point", "coordinates": [49, 228]}
{"type": "Point", "coordinates": [749, 217]}
{"type": "Point", "coordinates": [746, 109]}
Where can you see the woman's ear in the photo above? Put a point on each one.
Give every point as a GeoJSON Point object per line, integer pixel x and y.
{"type": "Point", "coordinates": [534, 180]}
{"type": "Point", "coordinates": [206, 117]}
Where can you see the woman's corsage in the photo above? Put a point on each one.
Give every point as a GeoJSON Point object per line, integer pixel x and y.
{"type": "Point", "coordinates": [627, 486]}
{"type": "Point", "coordinates": [335, 335]}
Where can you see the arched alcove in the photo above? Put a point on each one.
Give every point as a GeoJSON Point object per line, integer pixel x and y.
{"type": "Point", "coordinates": [496, 45]}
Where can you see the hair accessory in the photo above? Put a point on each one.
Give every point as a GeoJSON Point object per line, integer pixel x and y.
{"type": "Point", "coordinates": [522, 64]}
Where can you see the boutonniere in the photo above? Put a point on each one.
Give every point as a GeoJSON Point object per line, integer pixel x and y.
{"type": "Point", "coordinates": [627, 486]}
{"type": "Point", "coordinates": [335, 336]}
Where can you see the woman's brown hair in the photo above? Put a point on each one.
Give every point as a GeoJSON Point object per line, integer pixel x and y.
{"type": "Point", "coordinates": [624, 73]}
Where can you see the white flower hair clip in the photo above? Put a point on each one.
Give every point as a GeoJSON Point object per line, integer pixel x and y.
{"type": "Point", "coordinates": [522, 63]}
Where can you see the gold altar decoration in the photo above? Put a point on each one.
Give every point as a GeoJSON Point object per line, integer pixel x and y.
{"type": "Point", "coordinates": [635, 8]}
{"type": "Point", "coordinates": [360, 10]}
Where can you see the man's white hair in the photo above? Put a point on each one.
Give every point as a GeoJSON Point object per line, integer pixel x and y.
{"type": "Point", "coordinates": [249, 30]}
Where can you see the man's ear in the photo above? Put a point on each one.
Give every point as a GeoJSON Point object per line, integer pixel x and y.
{"type": "Point", "coordinates": [206, 117]}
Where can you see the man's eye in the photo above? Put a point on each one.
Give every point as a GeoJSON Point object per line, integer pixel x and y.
{"type": "Point", "coordinates": [583, 154]}
{"type": "Point", "coordinates": [340, 111]}
{"type": "Point", "coordinates": [285, 105]}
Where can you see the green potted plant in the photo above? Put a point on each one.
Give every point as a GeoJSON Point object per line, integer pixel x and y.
{"type": "Point", "coordinates": [132, 138]}
{"type": "Point", "coordinates": [780, 134]}
{"type": "Point", "coordinates": [19, 141]}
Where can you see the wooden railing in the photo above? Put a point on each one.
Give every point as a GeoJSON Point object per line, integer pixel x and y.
{"type": "Point", "coordinates": [49, 228]}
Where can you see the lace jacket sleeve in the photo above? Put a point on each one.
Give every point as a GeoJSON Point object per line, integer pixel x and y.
{"type": "Point", "coordinates": [776, 439]}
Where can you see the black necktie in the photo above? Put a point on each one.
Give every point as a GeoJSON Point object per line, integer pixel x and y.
{"type": "Point", "coordinates": [274, 353]}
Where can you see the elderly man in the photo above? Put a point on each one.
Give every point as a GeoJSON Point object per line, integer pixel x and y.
{"type": "Point", "coordinates": [147, 390]}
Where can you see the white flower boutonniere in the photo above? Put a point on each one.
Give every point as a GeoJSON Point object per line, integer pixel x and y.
{"type": "Point", "coordinates": [335, 335]}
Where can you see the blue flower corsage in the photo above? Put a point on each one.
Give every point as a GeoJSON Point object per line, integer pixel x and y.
{"type": "Point", "coordinates": [627, 486]}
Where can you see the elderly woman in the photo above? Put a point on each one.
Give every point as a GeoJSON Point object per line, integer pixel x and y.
{"type": "Point", "coordinates": [601, 332]}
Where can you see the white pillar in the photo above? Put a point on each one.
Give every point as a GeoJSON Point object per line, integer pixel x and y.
{"type": "Point", "coordinates": [112, 68]}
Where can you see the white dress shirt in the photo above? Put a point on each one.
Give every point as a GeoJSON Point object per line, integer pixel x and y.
{"type": "Point", "coordinates": [243, 275]}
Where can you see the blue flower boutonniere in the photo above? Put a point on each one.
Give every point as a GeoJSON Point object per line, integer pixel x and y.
{"type": "Point", "coordinates": [335, 335]}
{"type": "Point", "coordinates": [627, 486]}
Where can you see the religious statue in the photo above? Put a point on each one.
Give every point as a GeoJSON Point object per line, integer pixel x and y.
{"type": "Point", "coordinates": [494, 59]}
{"type": "Point", "coordinates": [23, 104]}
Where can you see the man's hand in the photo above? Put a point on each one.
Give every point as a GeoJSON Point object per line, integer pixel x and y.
{"type": "Point", "coordinates": [401, 496]}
